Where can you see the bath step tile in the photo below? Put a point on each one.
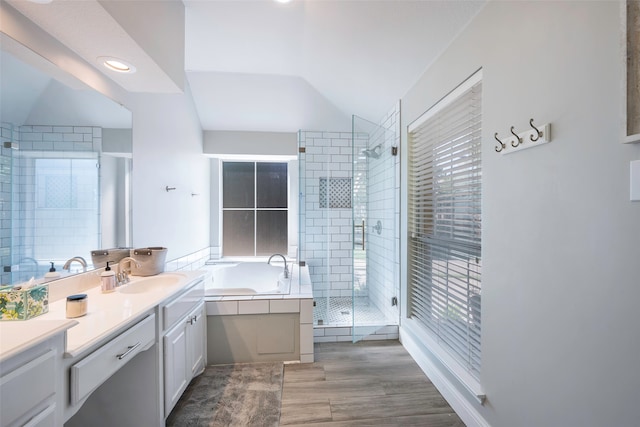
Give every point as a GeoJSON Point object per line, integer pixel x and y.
{"type": "Point", "coordinates": [253, 307]}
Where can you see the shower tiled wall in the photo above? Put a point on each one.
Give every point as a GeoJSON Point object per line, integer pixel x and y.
{"type": "Point", "coordinates": [383, 189]}
{"type": "Point", "coordinates": [45, 141]}
{"type": "Point", "coordinates": [326, 226]}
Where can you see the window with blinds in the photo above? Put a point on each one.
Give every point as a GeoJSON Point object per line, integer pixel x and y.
{"type": "Point", "coordinates": [445, 222]}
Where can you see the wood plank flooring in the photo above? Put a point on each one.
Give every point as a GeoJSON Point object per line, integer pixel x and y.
{"type": "Point", "coordinates": [371, 383]}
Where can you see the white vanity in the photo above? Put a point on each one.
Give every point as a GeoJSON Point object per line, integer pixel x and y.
{"type": "Point", "coordinates": [126, 362]}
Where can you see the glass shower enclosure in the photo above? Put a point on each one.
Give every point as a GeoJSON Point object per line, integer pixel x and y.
{"type": "Point", "coordinates": [348, 233]}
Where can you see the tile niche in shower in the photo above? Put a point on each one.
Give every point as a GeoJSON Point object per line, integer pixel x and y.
{"type": "Point", "coordinates": [335, 193]}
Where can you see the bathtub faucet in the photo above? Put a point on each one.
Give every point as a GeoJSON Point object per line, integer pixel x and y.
{"type": "Point", "coordinates": [286, 269]}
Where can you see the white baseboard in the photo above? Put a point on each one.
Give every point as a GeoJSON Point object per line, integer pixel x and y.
{"type": "Point", "coordinates": [463, 407]}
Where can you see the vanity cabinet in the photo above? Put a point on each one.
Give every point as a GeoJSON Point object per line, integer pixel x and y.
{"type": "Point", "coordinates": [183, 343]}
{"type": "Point", "coordinates": [30, 386]}
{"type": "Point", "coordinates": [95, 369]}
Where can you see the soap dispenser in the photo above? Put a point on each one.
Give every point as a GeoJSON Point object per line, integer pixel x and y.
{"type": "Point", "coordinates": [108, 279]}
{"type": "Point", "coordinates": [52, 274]}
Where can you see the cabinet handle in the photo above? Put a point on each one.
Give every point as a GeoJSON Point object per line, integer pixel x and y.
{"type": "Point", "coordinates": [192, 320]}
{"type": "Point", "coordinates": [129, 350]}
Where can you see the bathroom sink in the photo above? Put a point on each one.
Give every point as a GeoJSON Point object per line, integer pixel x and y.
{"type": "Point", "coordinates": [153, 283]}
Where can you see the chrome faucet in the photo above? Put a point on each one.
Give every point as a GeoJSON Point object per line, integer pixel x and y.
{"type": "Point", "coordinates": [286, 269]}
{"type": "Point", "coordinates": [122, 276]}
{"type": "Point", "coordinates": [79, 260]}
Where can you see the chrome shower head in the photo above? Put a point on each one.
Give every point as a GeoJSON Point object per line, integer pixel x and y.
{"type": "Point", "coordinates": [374, 152]}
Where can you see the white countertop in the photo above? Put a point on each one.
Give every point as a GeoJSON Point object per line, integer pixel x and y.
{"type": "Point", "coordinates": [106, 313]}
{"type": "Point", "coordinates": [17, 336]}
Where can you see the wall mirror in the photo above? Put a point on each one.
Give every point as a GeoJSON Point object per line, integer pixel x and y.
{"type": "Point", "coordinates": [64, 169]}
{"type": "Point", "coordinates": [631, 80]}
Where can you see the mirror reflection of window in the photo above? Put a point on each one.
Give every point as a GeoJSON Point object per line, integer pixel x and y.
{"type": "Point", "coordinates": [47, 114]}
{"type": "Point", "coordinates": [57, 214]}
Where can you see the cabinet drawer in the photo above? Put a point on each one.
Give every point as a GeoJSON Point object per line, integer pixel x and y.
{"type": "Point", "coordinates": [182, 305]}
{"type": "Point", "coordinates": [46, 418]}
{"type": "Point", "coordinates": [94, 369]}
{"type": "Point", "coordinates": [26, 387]}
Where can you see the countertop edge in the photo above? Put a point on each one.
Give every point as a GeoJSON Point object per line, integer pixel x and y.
{"type": "Point", "coordinates": [38, 336]}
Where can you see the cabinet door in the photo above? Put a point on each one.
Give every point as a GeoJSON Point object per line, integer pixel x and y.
{"type": "Point", "coordinates": [196, 340]}
{"type": "Point", "coordinates": [176, 372]}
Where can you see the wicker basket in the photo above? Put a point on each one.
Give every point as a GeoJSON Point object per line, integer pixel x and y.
{"type": "Point", "coordinates": [99, 257]}
{"type": "Point", "coordinates": [151, 261]}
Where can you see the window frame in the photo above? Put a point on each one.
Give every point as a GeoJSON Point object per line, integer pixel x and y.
{"type": "Point", "coordinates": [422, 216]}
{"type": "Point", "coordinates": [255, 209]}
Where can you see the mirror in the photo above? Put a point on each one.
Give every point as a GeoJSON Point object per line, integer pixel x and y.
{"type": "Point", "coordinates": [64, 169]}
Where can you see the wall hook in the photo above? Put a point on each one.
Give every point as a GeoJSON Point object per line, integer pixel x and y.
{"type": "Point", "coordinates": [538, 131]}
{"type": "Point", "coordinates": [517, 137]}
{"type": "Point", "coordinates": [169, 188]}
{"type": "Point", "coordinates": [502, 146]}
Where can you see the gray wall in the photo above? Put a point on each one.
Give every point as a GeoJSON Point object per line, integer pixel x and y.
{"type": "Point", "coordinates": [167, 151]}
{"type": "Point", "coordinates": [560, 237]}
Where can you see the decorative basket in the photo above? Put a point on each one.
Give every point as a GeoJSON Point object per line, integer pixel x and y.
{"type": "Point", "coordinates": [151, 261]}
{"type": "Point", "coordinates": [99, 257]}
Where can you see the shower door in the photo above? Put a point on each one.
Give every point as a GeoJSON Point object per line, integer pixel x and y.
{"type": "Point", "coordinates": [374, 291]}
{"type": "Point", "coordinates": [6, 160]}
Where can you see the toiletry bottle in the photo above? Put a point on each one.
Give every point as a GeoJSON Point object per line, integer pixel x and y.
{"type": "Point", "coordinates": [52, 274]}
{"type": "Point", "coordinates": [108, 279]}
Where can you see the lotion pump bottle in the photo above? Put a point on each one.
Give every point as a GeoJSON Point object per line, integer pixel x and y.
{"type": "Point", "coordinates": [52, 274]}
{"type": "Point", "coordinates": [108, 279]}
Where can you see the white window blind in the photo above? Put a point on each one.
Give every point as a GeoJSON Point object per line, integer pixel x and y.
{"type": "Point", "coordinates": [445, 222]}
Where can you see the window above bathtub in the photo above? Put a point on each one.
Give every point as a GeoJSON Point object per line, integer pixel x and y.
{"type": "Point", "coordinates": [254, 208]}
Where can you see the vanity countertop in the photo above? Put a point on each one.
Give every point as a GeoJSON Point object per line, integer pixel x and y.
{"type": "Point", "coordinates": [17, 336]}
{"type": "Point", "coordinates": [106, 313]}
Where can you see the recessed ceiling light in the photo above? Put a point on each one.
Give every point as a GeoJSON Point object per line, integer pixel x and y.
{"type": "Point", "coordinates": [116, 64]}
{"type": "Point", "coordinates": [41, 1]}
{"type": "Point", "coordinates": [283, 1]}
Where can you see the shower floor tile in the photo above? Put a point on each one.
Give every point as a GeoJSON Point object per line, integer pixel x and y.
{"type": "Point", "coordinates": [340, 309]}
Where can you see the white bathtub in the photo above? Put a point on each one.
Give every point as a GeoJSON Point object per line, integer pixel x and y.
{"type": "Point", "coordinates": [246, 278]}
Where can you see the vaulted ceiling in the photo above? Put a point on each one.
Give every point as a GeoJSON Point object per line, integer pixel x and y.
{"type": "Point", "coordinates": [262, 65]}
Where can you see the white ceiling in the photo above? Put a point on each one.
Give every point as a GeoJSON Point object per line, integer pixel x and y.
{"type": "Point", "coordinates": [261, 65]}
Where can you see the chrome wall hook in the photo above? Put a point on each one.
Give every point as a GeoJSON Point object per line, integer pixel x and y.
{"type": "Point", "coordinates": [517, 138]}
{"type": "Point", "coordinates": [502, 145]}
{"type": "Point", "coordinates": [167, 188]}
{"type": "Point", "coordinates": [538, 131]}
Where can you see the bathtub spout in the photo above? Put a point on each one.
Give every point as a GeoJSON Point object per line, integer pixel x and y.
{"type": "Point", "coordinates": [286, 269]}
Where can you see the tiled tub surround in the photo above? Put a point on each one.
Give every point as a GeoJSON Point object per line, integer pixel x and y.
{"type": "Point", "coordinates": [262, 327]}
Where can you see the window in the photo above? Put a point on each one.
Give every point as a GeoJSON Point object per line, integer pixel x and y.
{"type": "Point", "coordinates": [445, 223]}
{"type": "Point", "coordinates": [254, 208]}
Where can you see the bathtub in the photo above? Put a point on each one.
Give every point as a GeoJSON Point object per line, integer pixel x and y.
{"type": "Point", "coordinates": [246, 278]}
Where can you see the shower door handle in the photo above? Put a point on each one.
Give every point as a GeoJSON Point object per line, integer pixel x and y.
{"type": "Point", "coordinates": [363, 230]}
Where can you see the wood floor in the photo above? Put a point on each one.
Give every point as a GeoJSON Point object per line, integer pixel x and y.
{"type": "Point", "coordinates": [371, 383]}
